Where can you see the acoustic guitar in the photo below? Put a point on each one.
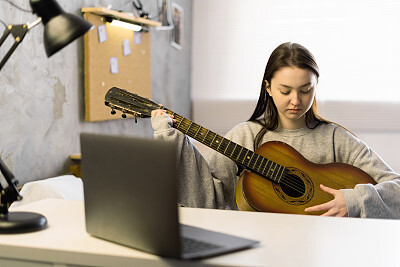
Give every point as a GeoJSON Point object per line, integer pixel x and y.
{"type": "Point", "coordinates": [276, 178]}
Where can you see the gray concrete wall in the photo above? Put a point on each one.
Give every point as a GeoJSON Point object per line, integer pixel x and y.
{"type": "Point", "coordinates": [42, 99]}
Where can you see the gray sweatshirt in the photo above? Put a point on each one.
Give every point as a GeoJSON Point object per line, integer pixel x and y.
{"type": "Point", "coordinates": [210, 181]}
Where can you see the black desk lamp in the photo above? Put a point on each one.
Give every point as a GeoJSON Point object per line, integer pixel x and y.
{"type": "Point", "coordinates": [16, 222]}
{"type": "Point", "coordinates": [60, 29]}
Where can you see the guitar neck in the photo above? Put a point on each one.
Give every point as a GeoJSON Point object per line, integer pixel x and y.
{"type": "Point", "coordinates": [239, 154]}
{"type": "Point", "coordinates": [128, 102]}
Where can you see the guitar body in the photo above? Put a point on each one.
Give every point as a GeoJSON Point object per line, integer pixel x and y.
{"type": "Point", "coordinates": [256, 193]}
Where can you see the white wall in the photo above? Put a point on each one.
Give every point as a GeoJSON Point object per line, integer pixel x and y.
{"type": "Point", "coordinates": [355, 43]}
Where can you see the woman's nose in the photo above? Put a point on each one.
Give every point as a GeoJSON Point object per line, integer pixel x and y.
{"type": "Point", "coordinates": [295, 100]}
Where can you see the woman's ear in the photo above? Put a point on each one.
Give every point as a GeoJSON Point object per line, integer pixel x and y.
{"type": "Point", "coordinates": [268, 87]}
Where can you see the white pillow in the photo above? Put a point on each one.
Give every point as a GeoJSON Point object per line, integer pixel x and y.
{"type": "Point", "coordinates": [62, 187]}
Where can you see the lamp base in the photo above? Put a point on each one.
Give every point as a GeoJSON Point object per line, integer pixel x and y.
{"type": "Point", "coordinates": [21, 222]}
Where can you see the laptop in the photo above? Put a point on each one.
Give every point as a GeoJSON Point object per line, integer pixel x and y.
{"type": "Point", "coordinates": [130, 192]}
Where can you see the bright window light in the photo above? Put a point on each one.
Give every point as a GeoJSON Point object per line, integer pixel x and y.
{"type": "Point", "coordinates": [356, 44]}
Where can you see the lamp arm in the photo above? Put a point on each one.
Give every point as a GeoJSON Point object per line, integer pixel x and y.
{"type": "Point", "coordinates": [18, 32]}
{"type": "Point", "coordinates": [10, 193]}
{"type": "Point", "coordinates": [33, 24]}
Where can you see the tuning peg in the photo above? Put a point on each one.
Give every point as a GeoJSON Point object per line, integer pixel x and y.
{"type": "Point", "coordinates": [123, 115]}
{"type": "Point", "coordinates": [135, 119]}
{"type": "Point", "coordinates": [113, 112]}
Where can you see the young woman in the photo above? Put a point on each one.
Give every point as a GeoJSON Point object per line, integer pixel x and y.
{"type": "Point", "coordinates": [286, 111]}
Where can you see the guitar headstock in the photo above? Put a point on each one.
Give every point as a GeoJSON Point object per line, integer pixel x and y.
{"type": "Point", "coordinates": [129, 103]}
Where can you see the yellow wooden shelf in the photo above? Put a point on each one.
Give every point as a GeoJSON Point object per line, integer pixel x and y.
{"type": "Point", "coordinates": [102, 11]}
{"type": "Point", "coordinates": [75, 157]}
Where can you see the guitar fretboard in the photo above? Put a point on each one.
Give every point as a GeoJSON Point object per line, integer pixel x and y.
{"type": "Point", "coordinates": [239, 154]}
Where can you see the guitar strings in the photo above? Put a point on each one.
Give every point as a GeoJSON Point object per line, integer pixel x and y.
{"type": "Point", "coordinates": [292, 183]}
{"type": "Point", "coordinates": [288, 181]}
{"type": "Point", "coordinates": [299, 187]}
{"type": "Point", "coordinates": [287, 178]}
{"type": "Point", "coordinates": [192, 129]}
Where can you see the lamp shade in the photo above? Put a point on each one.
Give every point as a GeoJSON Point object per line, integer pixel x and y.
{"type": "Point", "coordinates": [60, 28]}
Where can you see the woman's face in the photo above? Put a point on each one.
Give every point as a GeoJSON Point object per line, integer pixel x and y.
{"type": "Point", "coordinates": [293, 91]}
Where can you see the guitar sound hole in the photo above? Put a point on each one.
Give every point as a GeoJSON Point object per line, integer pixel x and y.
{"type": "Point", "coordinates": [293, 186]}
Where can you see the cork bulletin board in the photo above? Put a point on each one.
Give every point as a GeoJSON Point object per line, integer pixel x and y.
{"type": "Point", "coordinates": [114, 57]}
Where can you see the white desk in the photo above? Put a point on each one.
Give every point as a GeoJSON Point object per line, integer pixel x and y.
{"type": "Point", "coordinates": [286, 240]}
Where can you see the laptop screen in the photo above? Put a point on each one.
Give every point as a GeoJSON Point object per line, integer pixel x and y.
{"type": "Point", "coordinates": [130, 192]}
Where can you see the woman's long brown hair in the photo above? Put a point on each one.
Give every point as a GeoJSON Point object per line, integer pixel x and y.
{"type": "Point", "coordinates": [266, 113]}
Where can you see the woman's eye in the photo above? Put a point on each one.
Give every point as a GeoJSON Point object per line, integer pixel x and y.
{"type": "Point", "coordinates": [285, 92]}
{"type": "Point", "coordinates": [306, 91]}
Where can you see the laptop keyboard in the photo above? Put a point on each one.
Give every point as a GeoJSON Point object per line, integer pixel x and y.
{"type": "Point", "coordinates": [190, 245]}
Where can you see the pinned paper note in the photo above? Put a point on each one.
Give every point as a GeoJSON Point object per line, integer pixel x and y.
{"type": "Point", "coordinates": [126, 49]}
{"type": "Point", "coordinates": [114, 65]}
{"type": "Point", "coordinates": [137, 38]}
{"type": "Point", "coordinates": [102, 31]}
